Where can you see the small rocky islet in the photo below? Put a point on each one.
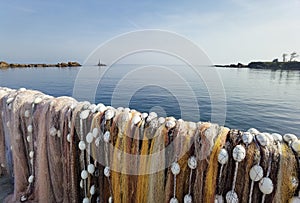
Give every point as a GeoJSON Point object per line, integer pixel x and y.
{"type": "Point", "coordinates": [274, 65]}
{"type": "Point", "coordinates": [4, 65]}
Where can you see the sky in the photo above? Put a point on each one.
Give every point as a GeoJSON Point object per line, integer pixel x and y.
{"type": "Point", "coordinates": [228, 31]}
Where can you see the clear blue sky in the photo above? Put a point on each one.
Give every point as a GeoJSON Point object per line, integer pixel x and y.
{"type": "Point", "coordinates": [227, 30]}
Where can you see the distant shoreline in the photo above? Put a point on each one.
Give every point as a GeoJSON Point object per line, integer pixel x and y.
{"type": "Point", "coordinates": [4, 65]}
{"type": "Point", "coordinates": [274, 65]}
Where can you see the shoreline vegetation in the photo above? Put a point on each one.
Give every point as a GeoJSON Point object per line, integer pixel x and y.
{"type": "Point", "coordinates": [274, 65]}
{"type": "Point", "coordinates": [4, 65]}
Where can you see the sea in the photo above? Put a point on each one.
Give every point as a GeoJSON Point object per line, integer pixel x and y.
{"type": "Point", "coordinates": [267, 100]}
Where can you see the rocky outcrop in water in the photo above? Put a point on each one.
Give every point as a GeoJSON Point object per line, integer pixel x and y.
{"type": "Point", "coordinates": [3, 64]}
{"type": "Point", "coordinates": [38, 65]}
{"type": "Point", "coordinates": [274, 65]}
{"type": "Point", "coordinates": [239, 65]}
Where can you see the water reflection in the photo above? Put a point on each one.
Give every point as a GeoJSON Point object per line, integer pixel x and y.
{"type": "Point", "coordinates": [279, 75]}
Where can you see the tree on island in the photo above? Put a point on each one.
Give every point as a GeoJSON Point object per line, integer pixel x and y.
{"type": "Point", "coordinates": [293, 56]}
{"type": "Point", "coordinates": [284, 55]}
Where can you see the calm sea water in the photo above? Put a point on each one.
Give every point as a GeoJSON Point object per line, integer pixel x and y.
{"type": "Point", "coordinates": [264, 99]}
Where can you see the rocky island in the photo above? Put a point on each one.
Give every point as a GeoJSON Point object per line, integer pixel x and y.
{"type": "Point", "coordinates": [274, 65]}
{"type": "Point", "coordinates": [285, 64]}
{"type": "Point", "coordinates": [4, 65]}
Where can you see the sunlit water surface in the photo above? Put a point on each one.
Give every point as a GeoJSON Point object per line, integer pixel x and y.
{"type": "Point", "coordinates": [264, 99]}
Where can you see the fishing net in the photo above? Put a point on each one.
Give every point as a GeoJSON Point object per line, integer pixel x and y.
{"type": "Point", "coordinates": [61, 150]}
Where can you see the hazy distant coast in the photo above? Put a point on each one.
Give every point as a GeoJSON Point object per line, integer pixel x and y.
{"type": "Point", "coordinates": [4, 65]}
{"type": "Point", "coordinates": [274, 65]}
